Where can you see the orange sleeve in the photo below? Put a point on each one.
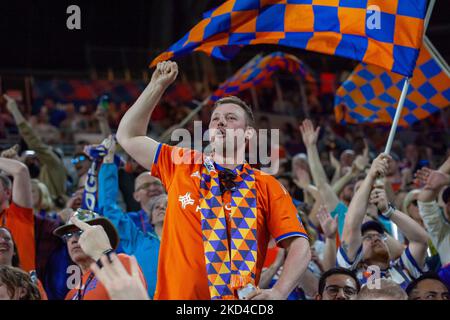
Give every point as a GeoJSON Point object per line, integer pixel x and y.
{"type": "Point", "coordinates": [282, 219]}
{"type": "Point", "coordinates": [21, 223]}
{"type": "Point", "coordinates": [125, 259]}
{"type": "Point", "coordinates": [25, 215]}
{"type": "Point", "coordinates": [167, 159]}
{"type": "Point", "coordinates": [41, 290]}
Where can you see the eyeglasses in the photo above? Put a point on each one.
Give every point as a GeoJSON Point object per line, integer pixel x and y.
{"type": "Point", "coordinates": [148, 185]}
{"type": "Point", "coordinates": [375, 236]}
{"type": "Point", "coordinates": [66, 237]}
{"type": "Point", "coordinates": [334, 290]}
{"type": "Point", "coordinates": [78, 159]}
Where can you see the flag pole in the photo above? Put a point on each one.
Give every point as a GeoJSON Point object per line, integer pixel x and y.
{"type": "Point", "coordinates": [398, 114]}
{"type": "Point", "coordinates": [401, 102]}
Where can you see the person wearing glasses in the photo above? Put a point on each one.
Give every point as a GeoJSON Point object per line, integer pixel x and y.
{"type": "Point", "coordinates": [338, 284]}
{"type": "Point", "coordinates": [81, 163]}
{"type": "Point", "coordinates": [86, 248]}
{"type": "Point", "coordinates": [363, 247]}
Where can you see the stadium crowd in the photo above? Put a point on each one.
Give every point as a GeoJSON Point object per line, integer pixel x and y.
{"type": "Point", "coordinates": [378, 225]}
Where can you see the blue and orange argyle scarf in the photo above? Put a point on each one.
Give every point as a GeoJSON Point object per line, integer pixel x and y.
{"type": "Point", "coordinates": [229, 270]}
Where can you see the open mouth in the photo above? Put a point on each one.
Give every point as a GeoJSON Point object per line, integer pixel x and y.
{"type": "Point", "coordinates": [220, 132]}
{"type": "Point", "coordinates": [5, 248]}
{"type": "Point", "coordinates": [161, 214]}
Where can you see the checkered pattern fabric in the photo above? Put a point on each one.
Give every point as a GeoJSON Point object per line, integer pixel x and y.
{"type": "Point", "coordinates": [370, 94]}
{"type": "Point", "coordinates": [386, 33]}
{"type": "Point", "coordinates": [229, 272]}
{"type": "Point", "coordinates": [258, 70]}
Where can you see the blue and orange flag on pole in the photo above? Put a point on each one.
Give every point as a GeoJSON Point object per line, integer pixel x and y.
{"type": "Point", "coordinates": [386, 33]}
{"type": "Point", "coordinates": [370, 93]}
{"type": "Point", "coordinates": [258, 70]}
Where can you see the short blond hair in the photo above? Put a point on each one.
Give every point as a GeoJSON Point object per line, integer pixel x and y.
{"type": "Point", "coordinates": [241, 103]}
{"type": "Point", "coordinates": [45, 199]}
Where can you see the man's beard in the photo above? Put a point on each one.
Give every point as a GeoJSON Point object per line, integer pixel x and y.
{"type": "Point", "coordinates": [228, 149]}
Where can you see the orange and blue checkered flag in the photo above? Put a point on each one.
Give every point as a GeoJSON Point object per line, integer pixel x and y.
{"type": "Point", "coordinates": [386, 33]}
{"type": "Point", "coordinates": [370, 93]}
{"type": "Point", "coordinates": [258, 70]}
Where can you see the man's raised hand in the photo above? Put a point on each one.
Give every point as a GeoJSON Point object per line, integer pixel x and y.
{"type": "Point", "coordinates": [309, 135]}
{"type": "Point", "coordinates": [432, 179]}
{"type": "Point", "coordinates": [378, 197]}
{"type": "Point", "coordinates": [93, 241]}
{"type": "Point", "coordinates": [11, 153]}
{"type": "Point", "coordinates": [379, 167]}
{"type": "Point", "coordinates": [165, 74]}
{"type": "Point", "coordinates": [328, 224]}
{"type": "Point", "coordinates": [11, 104]}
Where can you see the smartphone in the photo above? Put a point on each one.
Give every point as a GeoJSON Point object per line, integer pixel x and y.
{"type": "Point", "coordinates": [245, 291]}
{"type": "Point", "coordinates": [104, 102]}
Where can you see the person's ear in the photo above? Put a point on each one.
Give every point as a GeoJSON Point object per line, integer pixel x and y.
{"type": "Point", "coordinates": [250, 132]}
{"type": "Point", "coordinates": [136, 196]}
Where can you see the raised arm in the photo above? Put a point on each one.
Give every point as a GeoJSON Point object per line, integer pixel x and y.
{"type": "Point", "coordinates": [33, 141]}
{"type": "Point", "coordinates": [57, 175]}
{"type": "Point", "coordinates": [351, 236]}
{"type": "Point", "coordinates": [431, 212]}
{"type": "Point", "coordinates": [434, 180]}
{"type": "Point", "coordinates": [132, 131]}
{"type": "Point", "coordinates": [21, 190]}
{"type": "Point", "coordinates": [329, 228]}
{"type": "Point", "coordinates": [107, 201]}
{"type": "Point", "coordinates": [417, 236]}
{"type": "Point", "coordinates": [102, 118]}
{"type": "Point", "coordinates": [310, 136]}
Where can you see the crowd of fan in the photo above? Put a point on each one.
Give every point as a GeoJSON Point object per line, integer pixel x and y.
{"type": "Point", "coordinates": [379, 226]}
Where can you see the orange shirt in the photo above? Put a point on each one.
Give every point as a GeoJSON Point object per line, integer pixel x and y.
{"type": "Point", "coordinates": [20, 221]}
{"type": "Point", "coordinates": [41, 290]}
{"type": "Point", "coordinates": [181, 269]}
{"type": "Point", "coordinates": [93, 289]}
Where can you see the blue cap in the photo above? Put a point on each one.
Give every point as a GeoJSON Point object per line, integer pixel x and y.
{"type": "Point", "coordinates": [372, 225]}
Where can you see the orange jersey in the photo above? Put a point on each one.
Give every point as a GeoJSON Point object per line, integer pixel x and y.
{"type": "Point", "coordinates": [181, 269]}
{"type": "Point", "coordinates": [93, 289]}
{"type": "Point", "coordinates": [20, 221]}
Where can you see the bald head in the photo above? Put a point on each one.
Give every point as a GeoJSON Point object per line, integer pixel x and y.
{"type": "Point", "coordinates": [144, 177]}
{"type": "Point", "coordinates": [386, 290]}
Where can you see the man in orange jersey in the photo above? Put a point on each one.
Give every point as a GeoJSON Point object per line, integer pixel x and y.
{"type": "Point", "coordinates": [221, 212]}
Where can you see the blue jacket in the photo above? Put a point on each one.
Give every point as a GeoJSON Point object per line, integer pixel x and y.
{"type": "Point", "coordinates": [140, 219]}
{"type": "Point", "coordinates": [144, 246]}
